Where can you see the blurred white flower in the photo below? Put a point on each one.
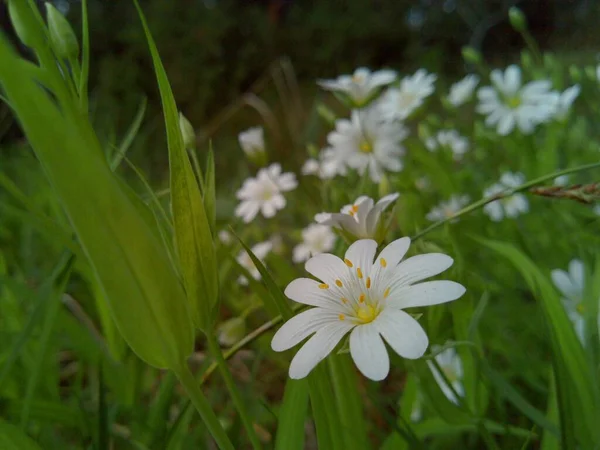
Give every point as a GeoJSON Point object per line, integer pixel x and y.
{"type": "Point", "coordinates": [311, 167]}
{"type": "Point", "coordinates": [252, 141]}
{"type": "Point", "coordinates": [231, 331]}
{"type": "Point", "coordinates": [510, 206]}
{"type": "Point", "coordinates": [361, 85]}
{"type": "Point", "coordinates": [416, 413]}
{"type": "Point", "coordinates": [315, 239]}
{"type": "Point", "coordinates": [365, 143]}
{"type": "Point", "coordinates": [423, 183]}
{"type": "Point", "coordinates": [451, 139]}
{"type": "Point", "coordinates": [264, 193]}
{"type": "Point", "coordinates": [562, 180]}
{"type": "Point", "coordinates": [448, 208]}
{"type": "Point", "coordinates": [565, 101]}
{"type": "Point", "coordinates": [364, 296]}
{"type": "Point", "coordinates": [596, 209]}
{"type": "Point", "coordinates": [571, 285]}
{"type": "Point", "coordinates": [260, 250]}
{"type": "Point", "coordinates": [509, 103]}
{"type": "Point", "coordinates": [360, 219]}
{"type": "Point", "coordinates": [462, 91]}
{"type": "Point", "coordinates": [399, 103]}
{"type": "Point", "coordinates": [452, 368]}
{"type": "Point", "coordinates": [225, 237]}
{"type": "Point", "coordinates": [329, 167]}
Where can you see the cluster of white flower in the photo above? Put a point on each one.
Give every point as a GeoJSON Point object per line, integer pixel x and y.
{"type": "Point", "coordinates": [451, 139]}
{"type": "Point", "coordinates": [510, 205]}
{"type": "Point", "coordinates": [446, 210]}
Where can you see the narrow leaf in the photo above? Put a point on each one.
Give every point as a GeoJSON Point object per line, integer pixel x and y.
{"type": "Point", "coordinates": [292, 416]}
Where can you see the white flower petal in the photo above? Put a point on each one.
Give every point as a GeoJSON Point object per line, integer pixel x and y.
{"type": "Point", "coordinates": [394, 252]}
{"type": "Point", "coordinates": [300, 327]}
{"type": "Point", "coordinates": [403, 333]}
{"type": "Point", "coordinates": [326, 267]}
{"type": "Point", "coordinates": [307, 291]}
{"type": "Point", "coordinates": [318, 347]}
{"type": "Point", "coordinates": [425, 294]}
{"type": "Point", "coordinates": [420, 267]}
{"type": "Point", "coordinates": [361, 253]}
{"type": "Point", "coordinates": [368, 352]}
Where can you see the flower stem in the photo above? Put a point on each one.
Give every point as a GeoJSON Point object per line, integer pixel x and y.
{"type": "Point", "coordinates": [217, 353]}
{"type": "Point", "coordinates": [484, 201]}
{"type": "Point", "coordinates": [215, 428]}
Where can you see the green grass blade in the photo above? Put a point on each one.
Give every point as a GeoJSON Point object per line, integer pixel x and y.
{"type": "Point", "coordinates": [210, 201]}
{"type": "Point", "coordinates": [192, 230]}
{"type": "Point", "coordinates": [130, 135]}
{"type": "Point", "coordinates": [292, 416]}
{"type": "Point", "coordinates": [85, 57]}
{"type": "Point", "coordinates": [11, 438]}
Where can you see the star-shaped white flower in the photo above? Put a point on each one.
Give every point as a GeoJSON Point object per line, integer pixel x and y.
{"type": "Point", "coordinates": [361, 86]}
{"type": "Point", "coordinates": [365, 142]}
{"type": "Point", "coordinates": [252, 140]}
{"type": "Point", "coordinates": [451, 139]}
{"type": "Point", "coordinates": [571, 285]}
{"type": "Point", "coordinates": [264, 193]}
{"type": "Point", "coordinates": [565, 101]}
{"type": "Point", "coordinates": [510, 104]}
{"type": "Point", "coordinates": [399, 103]}
{"type": "Point", "coordinates": [316, 239]}
{"type": "Point", "coordinates": [448, 208]}
{"type": "Point", "coordinates": [511, 206]}
{"type": "Point", "coordinates": [260, 250]}
{"type": "Point", "coordinates": [364, 296]}
{"type": "Point", "coordinates": [451, 365]}
{"type": "Point", "coordinates": [361, 219]}
{"type": "Point", "coordinates": [462, 91]}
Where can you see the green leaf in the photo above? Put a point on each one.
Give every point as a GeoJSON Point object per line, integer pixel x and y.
{"type": "Point", "coordinates": [130, 135]}
{"type": "Point", "coordinates": [193, 238]}
{"type": "Point", "coordinates": [292, 416]}
{"type": "Point", "coordinates": [210, 200]}
{"type": "Point", "coordinates": [12, 438]}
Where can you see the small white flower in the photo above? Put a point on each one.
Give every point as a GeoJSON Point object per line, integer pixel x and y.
{"type": "Point", "coordinates": [225, 237]}
{"type": "Point", "coordinates": [448, 208]}
{"type": "Point", "coordinates": [252, 141]}
{"type": "Point", "coordinates": [451, 139]}
{"type": "Point", "coordinates": [562, 180]}
{"type": "Point", "coordinates": [399, 103]}
{"type": "Point", "coordinates": [462, 91]}
{"type": "Point", "coordinates": [565, 101]}
{"type": "Point", "coordinates": [364, 296]}
{"type": "Point", "coordinates": [511, 206]}
{"type": "Point", "coordinates": [571, 285]}
{"type": "Point", "coordinates": [311, 167]}
{"type": "Point", "coordinates": [509, 104]}
{"type": "Point", "coordinates": [261, 251]}
{"type": "Point", "coordinates": [331, 165]}
{"type": "Point", "coordinates": [452, 368]}
{"type": "Point", "coordinates": [316, 239]}
{"type": "Point", "coordinates": [264, 193]}
{"type": "Point", "coordinates": [423, 183]}
{"type": "Point", "coordinates": [360, 219]}
{"type": "Point", "coordinates": [360, 86]}
{"type": "Point", "coordinates": [365, 143]}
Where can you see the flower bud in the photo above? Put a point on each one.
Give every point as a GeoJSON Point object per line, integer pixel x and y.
{"type": "Point", "coordinates": [471, 55]}
{"type": "Point", "coordinates": [575, 73]}
{"type": "Point", "coordinates": [526, 60]}
{"type": "Point", "coordinates": [62, 37]}
{"type": "Point", "coordinates": [231, 331]}
{"type": "Point", "coordinates": [252, 142]}
{"type": "Point", "coordinates": [187, 131]}
{"type": "Point", "coordinates": [326, 114]}
{"type": "Point", "coordinates": [25, 35]}
{"type": "Point", "coordinates": [517, 19]}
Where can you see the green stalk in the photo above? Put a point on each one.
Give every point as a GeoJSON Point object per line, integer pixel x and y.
{"type": "Point", "coordinates": [484, 201]}
{"type": "Point", "coordinates": [215, 428]}
{"type": "Point", "coordinates": [216, 352]}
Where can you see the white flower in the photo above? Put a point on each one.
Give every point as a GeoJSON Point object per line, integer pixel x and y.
{"type": "Point", "coordinates": [462, 91]}
{"type": "Point", "coordinates": [225, 237]}
{"type": "Point", "coordinates": [509, 104]}
{"type": "Point", "coordinates": [315, 239]}
{"type": "Point", "coordinates": [510, 206]}
{"type": "Point", "coordinates": [562, 180]}
{"type": "Point", "coordinates": [331, 166]}
{"type": "Point", "coordinates": [264, 193]}
{"type": "Point", "coordinates": [451, 139]}
{"type": "Point", "coordinates": [571, 286]}
{"type": "Point", "coordinates": [565, 101]}
{"type": "Point", "coordinates": [360, 219]}
{"type": "Point", "coordinates": [364, 296]}
{"type": "Point", "coordinates": [451, 366]}
{"type": "Point", "coordinates": [422, 183]}
{"type": "Point", "coordinates": [261, 251]}
{"type": "Point", "coordinates": [365, 143]}
{"type": "Point", "coordinates": [311, 167]}
{"type": "Point", "coordinates": [361, 85]}
{"type": "Point", "coordinates": [399, 103]}
{"type": "Point", "coordinates": [596, 209]}
{"type": "Point", "coordinates": [252, 140]}
{"type": "Point", "coordinates": [448, 208]}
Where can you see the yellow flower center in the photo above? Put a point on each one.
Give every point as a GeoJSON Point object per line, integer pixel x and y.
{"type": "Point", "coordinates": [366, 313]}
{"type": "Point", "coordinates": [366, 147]}
{"type": "Point", "coordinates": [580, 308]}
{"type": "Point", "coordinates": [514, 102]}
{"type": "Point", "coordinates": [358, 79]}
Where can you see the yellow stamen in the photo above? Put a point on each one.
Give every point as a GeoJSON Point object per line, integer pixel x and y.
{"type": "Point", "coordinates": [359, 272]}
{"type": "Point", "coordinates": [354, 208]}
{"type": "Point", "coordinates": [365, 147]}
{"type": "Point", "coordinates": [348, 262]}
{"type": "Point", "coordinates": [361, 299]}
{"type": "Point", "coordinates": [367, 313]}
{"type": "Point", "coordinates": [368, 282]}
{"type": "Point", "coordinates": [386, 293]}
{"type": "Point", "coordinates": [342, 316]}
{"type": "Point", "coordinates": [323, 286]}
{"type": "Point", "coordinates": [344, 300]}
{"type": "Point", "coordinates": [383, 262]}
{"type": "Point", "coordinates": [338, 283]}
{"type": "Point", "coordinates": [351, 213]}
